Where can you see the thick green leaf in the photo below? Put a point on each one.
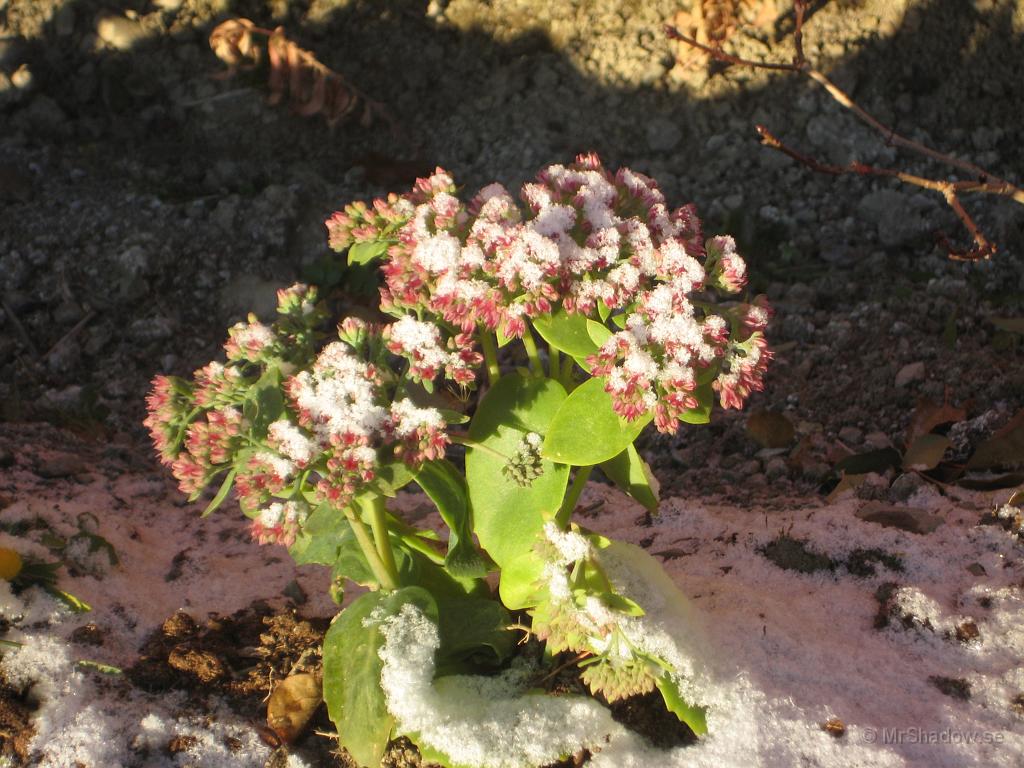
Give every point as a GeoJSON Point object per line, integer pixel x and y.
{"type": "Point", "coordinates": [633, 476]}
{"type": "Point", "coordinates": [352, 667]}
{"type": "Point", "coordinates": [566, 332]}
{"type": "Point", "coordinates": [520, 586]}
{"type": "Point", "coordinates": [392, 476]}
{"type": "Point", "coordinates": [693, 716]}
{"type": "Point", "coordinates": [327, 539]}
{"type": "Point", "coordinates": [222, 494]}
{"type": "Point", "coordinates": [603, 310]}
{"type": "Point", "coordinates": [587, 431]}
{"type": "Point", "coordinates": [363, 253]}
{"type": "Point", "coordinates": [506, 516]}
{"type": "Point", "coordinates": [702, 413]}
{"type": "Point", "coordinates": [474, 632]}
{"type": "Point", "coordinates": [445, 486]}
{"type": "Point", "coordinates": [265, 402]}
{"type": "Point", "coordinates": [599, 332]}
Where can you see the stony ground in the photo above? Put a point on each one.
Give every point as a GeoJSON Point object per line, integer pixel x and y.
{"type": "Point", "coordinates": [147, 204]}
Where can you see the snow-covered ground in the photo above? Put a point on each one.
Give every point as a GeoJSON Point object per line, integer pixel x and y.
{"type": "Point", "coordinates": [787, 651]}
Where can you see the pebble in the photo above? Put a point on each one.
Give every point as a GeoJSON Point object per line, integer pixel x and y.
{"type": "Point", "coordinates": [119, 32]}
{"type": "Point", "coordinates": [910, 373]}
{"type": "Point", "coordinates": [851, 435]}
{"type": "Point", "coordinates": [663, 135]}
{"type": "Point", "coordinates": [776, 468]}
{"type": "Point", "coordinates": [57, 465]}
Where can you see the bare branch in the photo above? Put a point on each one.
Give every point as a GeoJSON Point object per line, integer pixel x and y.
{"type": "Point", "coordinates": [983, 181]}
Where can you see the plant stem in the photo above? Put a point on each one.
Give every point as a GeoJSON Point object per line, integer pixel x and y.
{"type": "Point", "coordinates": [573, 496]}
{"type": "Point", "coordinates": [379, 522]}
{"type": "Point", "coordinates": [386, 580]}
{"type": "Point", "coordinates": [532, 353]}
{"type": "Point", "coordinates": [554, 360]}
{"type": "Point", "coordinates": [490, 349]}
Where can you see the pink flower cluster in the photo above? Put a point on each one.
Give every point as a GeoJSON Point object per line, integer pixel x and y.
{"type": "Point", "coordinates": [589, 241]}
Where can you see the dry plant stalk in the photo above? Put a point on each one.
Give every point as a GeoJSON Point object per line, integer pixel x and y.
{"type": "Point", "coordinates": [713, 22]}
{"type": "Point", "coordinates": [981, 181]}
{"type": "Point", "coordinates": [311, 86]}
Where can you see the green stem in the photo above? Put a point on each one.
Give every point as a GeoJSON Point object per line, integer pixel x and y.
{"type": "Point", "coordinates": [378, 513]}
{"type": "Point", "coordinates": [490, 348]}
{"type": "Point", "coordinates": [365, 541]}
{"type": "Point", "coordinates": [554, 362]}
{"type": "Point", "coordinates": [573, 496]}
{"type": "Point", "coordinates": [532, 353]}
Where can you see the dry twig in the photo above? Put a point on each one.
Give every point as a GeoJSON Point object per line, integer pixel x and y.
{"type": "Point", "coordinates": [312, 87]}
{"type": "Point", "coordinates": [982, 181]}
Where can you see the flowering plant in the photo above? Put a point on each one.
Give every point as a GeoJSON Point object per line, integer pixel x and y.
{"type": "Point", "coordinates": [315, 434]}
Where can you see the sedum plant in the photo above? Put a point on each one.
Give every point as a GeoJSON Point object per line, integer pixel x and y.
{"type": "Point", "coordinates": [530, 341]}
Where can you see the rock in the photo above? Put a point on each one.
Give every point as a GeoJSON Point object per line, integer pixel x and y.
{"type": "Point", "coordinates": [905, 486]}
{"type": "Point", "coordinates": [120, 32]}
{"type": "Point", "coordinates": [663, 135]}
{"type": "Point", "coordinates": [56, 465]}
{"type": "Point", "coordinates": [151, 329]}
{"type": "Point", "coordinates": [905, 518]}
{"type": "Point", "coordinates": [15, 184]}
{"type": "Point", "coordinates": [249, 293]}
{"type": "Point", "coordinates": [851, 435]}
{"type": "Point", "coordinates": [910, 373]}
{"type": "Point", "coordinates": [894, 215]}
{"type": "Point", "coordinates": [776, 468]}
{"type": "Point", "coordinates": [877, 441]}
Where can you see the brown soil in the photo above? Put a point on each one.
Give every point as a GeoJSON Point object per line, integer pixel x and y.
{"type": "Point", "coordinates": [15, 728]}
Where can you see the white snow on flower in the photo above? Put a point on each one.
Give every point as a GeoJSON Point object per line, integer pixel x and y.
{"type": "Point", "coordinates": [280, 466]}
{"type": "Point", "coordinates": [338, 395]}
{"type": "Point", "coordinates": [251, 336]}
{"type": "Point", "coordinates": [571, 546]}
{"type": "Point", "coordinates": [420, 340]}
{"type": "Point", "coordinates": [408, 418]}
{"type": "Point", "coordinates": [554, 220]}
{"type": "Point", "coordinates": [438, 253]}
{"type": "Point", "coordinates": [292, 442]}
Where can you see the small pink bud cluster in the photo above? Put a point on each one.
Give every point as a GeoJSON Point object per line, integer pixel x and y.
{"type": "Point", "coordinates": [359, 223]}
{"type": "Point", "coordinates": [280, 523]}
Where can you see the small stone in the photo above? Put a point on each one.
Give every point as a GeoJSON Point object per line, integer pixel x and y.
{"type": "Point", "coordinates": [57, 465]}
{"type": "Point", "coordinates": [955, 688]}
{"type": "Point", "coordinates": [894, 216]}
{"type": "Point", "coordinates": [876, 441]}
{"type": "Point", "coordinates": [776, 468]}
{"type": "Point", "coordinates": [976, 569]}
{"type": "Point", "coordinates": [910, 373]}
{"type": "Point", "coordinates": [119, 32]}
{"type": "Point", "coordinates": [905, 486]}
{"type": "Point", "coordinates": [905, 518]}
{"type": "Point", "coordinates": [663, 135]}
{"type": "Point", "coordinates": [851, 435]}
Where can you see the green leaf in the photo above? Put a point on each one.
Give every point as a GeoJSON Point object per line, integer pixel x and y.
{"type": "Point", "coordinates": [445, 486]}
{"type": "Point", "coordinates": [633, 476]}
{"type": "Point", "coordinates": [265, 402]}
{"type": "Point", "coordinates": [702, 413]}
{"type": "Point", "coordinates": [327, 539]}
{"type": "Point", "coordinates": [506, 516]}
{"type": "Point", "coordinates": [693, 716]}
{"type": "Point", "coordinates": [392, 476]}
{"type": "Point", "coordinates": [566, 332]}
{"type": "Point", "coordinates": [222, 494]}
{"type": "Point", "coordinates": [520, 586]}
{"type": "Point", "coordinates": [586, 430]}
{"type": "Point", "coordinates": [364, 253]}
{"type": "Point", "coordinates": [926, 452]}
{"type": "Point", "coordinates": [474, 632]}
{"type": "Point", "coordinates": [871, 461]}
{"type": "Point", "coordinates": [603, 310]}
{"type": "Point", "coordinates": [598, 332]}
{"type": "Point", "coordinates": [352, 668]}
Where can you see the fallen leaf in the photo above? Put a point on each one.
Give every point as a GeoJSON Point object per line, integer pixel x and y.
{"type": "Point", "coordinates": [872, 461]}
{"type": "Point", "coordinates": [926, 452]}
{"type": "Point", "coordinates": [846, 483]}
{"type": "Point", "coordinates": [987, 482]}
{"type": "Point", "coordinates": [905, 518]}
{"type": "Point", "coordinates": [928, 415]}
{"type": "Point", "coordinates": [292, 705]}
{"type": "Point", "coordinates": [770, 429]}
{"type": "Point", "coordinates": [1011, 324]}
{"type": "Point", "coordinates": [1004, 449]}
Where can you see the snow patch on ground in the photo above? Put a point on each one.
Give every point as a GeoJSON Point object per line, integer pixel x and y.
{"type": "Point", "coordinates": [783, 651]}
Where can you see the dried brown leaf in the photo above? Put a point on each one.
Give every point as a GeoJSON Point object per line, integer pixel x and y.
{"type": "Point", "coordinates": [926, 452]}
{"type": "Point", "coordinates": [1004, 449]}
{"type": "Point", "coordinates": [292, 704]}
{"type": "Point", "coordinates": [770, 430]}
{"type": "Point", "coordinates": [928, 415]}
